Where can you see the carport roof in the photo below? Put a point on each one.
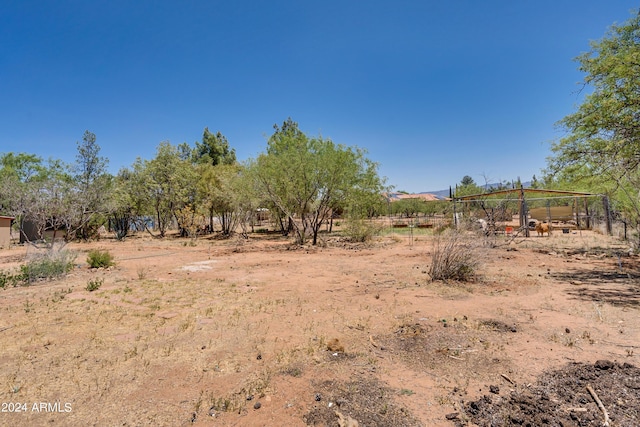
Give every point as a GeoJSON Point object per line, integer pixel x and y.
{"type": "Point", "coordinates": [526, 190]}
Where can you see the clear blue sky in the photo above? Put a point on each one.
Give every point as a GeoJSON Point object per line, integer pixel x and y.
{"type": "Point", "coordinates": [434, 90]}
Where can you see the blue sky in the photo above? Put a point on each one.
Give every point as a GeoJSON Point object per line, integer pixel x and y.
{"type": "Point", "coordinates": [434, 90]}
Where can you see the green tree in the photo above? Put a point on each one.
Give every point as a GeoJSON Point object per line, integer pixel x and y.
{"type": "Point", "coordinates": [42, 193]}
{"type": "Point", "coordinates": [218, 194]}
{"type": "Point", "coordinates": [93, 185]}
{"type": "Point", "coordinates": [214, 149]}
{"type": "Point", "coordinates": [467, 180]}
{"type": "Point", "coordinates": [534, 182]}
{"type": "Point", "coordinates": [17, 171]}
{"type": "Point", "coordinates": [306, 178]}
{"type": "Point", "coordinates": [163, 186]}
{"type": "Point", "coordinates": [185, 152]}
{"type": "Point", "coordinates": [125, 204]}
{"type": "Point", "coordinates": [408, 207]}
{"type": "Point", "coordinates": [55, 195]}
{"type": "Point", "coordinates": [50, 199]}
{"type": "Point", "coordinates": [601, 147]}
{"type": "Point", "coordinates": [467, 187]}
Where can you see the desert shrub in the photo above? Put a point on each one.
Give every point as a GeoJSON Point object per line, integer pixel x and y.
{"type": "Point", "coordinates": [94, 284]}
{"type": "Point", "coordinates": [455, 257]}
{"type": "Point", "coordinates": [361, 230]}
{"type": "Point", "coordinates": [442, 227]}
{"type": "Point", "coordinates": [52, 263]}
{"type": "Point", "coordinates": [4, 279]}
{"type": "Point", "coordinates": [9, 279]}
{"type": "Point", "coordinates": [99, 259]}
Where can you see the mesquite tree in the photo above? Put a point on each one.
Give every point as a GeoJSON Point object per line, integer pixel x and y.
{"type": "Point", "coordinates": [306, 178]}
{"type": "Point", "coordinates": [602, 148]}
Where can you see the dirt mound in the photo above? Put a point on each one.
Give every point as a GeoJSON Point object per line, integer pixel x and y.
{"type": "Point", "coordinates": [453, 345]}
{"type": "Point", "coordinates": [364, 400]}
{"type": "Point", "coordinates": [562, 398]}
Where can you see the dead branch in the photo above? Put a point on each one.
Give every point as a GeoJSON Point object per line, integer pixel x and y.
{"type": "Point", "coordinates": [600, 405]}
{"type": "Point", "coordinates": [507, 378]}
{"type": "Point", "coordinates": [373, 343]}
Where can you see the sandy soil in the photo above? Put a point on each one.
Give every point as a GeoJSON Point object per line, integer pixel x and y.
{"type": "Point", "coordinates": [259, 332]}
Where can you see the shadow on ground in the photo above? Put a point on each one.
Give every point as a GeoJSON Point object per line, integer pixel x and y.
{"type": "Point", "coordinates": [621, 288]}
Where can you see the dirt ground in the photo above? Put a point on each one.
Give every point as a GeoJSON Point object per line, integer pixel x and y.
{"type": "Point", "coordinates": [258, 332]}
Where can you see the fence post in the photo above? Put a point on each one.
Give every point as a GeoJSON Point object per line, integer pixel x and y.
{"type": "Point", "coordinates": [586, 212]}
{"type": "Point", "coordinates": [524, 212]}
{"type": "Point", "coordinates": [455, 215]}
{"type": "Point", "coordinates": [607, 213]}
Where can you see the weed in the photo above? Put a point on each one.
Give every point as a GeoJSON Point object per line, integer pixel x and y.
{"type": "Point", "coordinates": [168, 349]}
{"type": "Point", "coordinates": [444, 400]}
{"type": "Point", "coordinates": [189, 323]}
{"type": "Point", "coordinates": [94, 284]}
{"type": "Point", "coordinates": [59, 295]}
{"type": "Point", "coordinates": [8, 279]}
{"type": "Point", "coordinates": [587, 336]}
{"type": "Point", "coordinates": [293, 370]}
{"type": "Point", "coordinates": [454, 258]}
{"type": "Point", "coordinates": [99, 259]}
{"type": "Point", "coordinates": [51, 264]}
{"type": "Point", "coordinates": [131, 353]}
{"type": "Point", "coordinates": [234, 318]}
{"type": "Point", "coordinates": [142, 273]}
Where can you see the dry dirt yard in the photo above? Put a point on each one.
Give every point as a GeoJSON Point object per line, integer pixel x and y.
{"type": "Point", "coordinates": [259, 332]}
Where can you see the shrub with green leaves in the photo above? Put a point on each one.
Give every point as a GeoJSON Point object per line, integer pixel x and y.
{"type": "Point", "coordinates": [361, 230]}
{"type": "Point", "coordinates": [99, 259]}
{"type": "Point", "coordinates": [50, 264]}
{"type": "Point", "coordinates": [9, 279]}
{"type": "Point", "coordinates": [94, 285]}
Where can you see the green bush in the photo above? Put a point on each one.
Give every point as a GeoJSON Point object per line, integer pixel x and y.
{"type": "Point", "coordinates": [51, 263]}
{"type": "Point", "coordinates": [94, 285]}
{"type": "Point", "coordinates": [45, 269]}
{"type": "Point", "coordinates": [8, 279]}
{"type": "Point", "coordinates": [361, 230]}
{"type": "Point", "coordinates": [99, 259]}
{"type": "Point", "coordinates": [48, 265]}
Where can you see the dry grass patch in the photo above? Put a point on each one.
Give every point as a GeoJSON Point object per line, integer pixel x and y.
{"type": "Point", "coordinates": [452, 345]}
{"type": "Point", "coordinates": [361, 399]}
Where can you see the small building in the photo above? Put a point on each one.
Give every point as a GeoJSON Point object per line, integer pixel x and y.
{"type": "Point", "coordinates": [31, 232]}
{"type": "Point", "coordinates": [5, 230]}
